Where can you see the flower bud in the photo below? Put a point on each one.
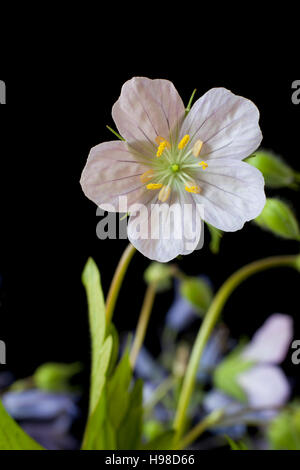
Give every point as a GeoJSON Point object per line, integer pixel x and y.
{"type": "Point", "coordinates": [279, 219]}
{"type": "Point", "coordinates": [276, 172]}
{"type": "Point", "coordinates": [197, 292]}
{"type": "Point", "coordinates": [215, 239]}
{"type": "Point", "coordinates": [55, 377]}
{"type": "Point", "coordinates": [159, 274]}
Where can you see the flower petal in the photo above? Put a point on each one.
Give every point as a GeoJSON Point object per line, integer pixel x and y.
{"type": "Point", "coordinates": [272, 341]}
{"type": "Point", "coordinates": [147, 109]}
{"type": "Point", "coordinates": [227, 124]}
{"type": "Point", "coordinates": [232, 194]}
{"type": "Point", "coordinates": [162, 238]}
{"type": "Point", "coordinates": [265, 386]}
{"type": "Point", "coordinates": [112, 170]}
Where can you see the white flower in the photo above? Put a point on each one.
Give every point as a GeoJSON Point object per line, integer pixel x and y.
{"type": "Point", "coordinates": [170, 158]}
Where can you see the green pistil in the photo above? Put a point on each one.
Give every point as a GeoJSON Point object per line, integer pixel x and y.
{"type": "Point", "coordinates": [175, 168]}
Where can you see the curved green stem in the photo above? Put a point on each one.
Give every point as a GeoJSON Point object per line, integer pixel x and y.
{"type": "Point", "coordinates": [208, 325]}
{"type": "Point", "coordinates": [142, 323]}
{"type": "Point", "coordinates": [210, 420]}
{"type": "Point", "coordinates": [117, 281]}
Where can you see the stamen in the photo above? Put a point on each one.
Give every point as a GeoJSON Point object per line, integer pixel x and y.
{"type": "Point", "coordinates": [204, 165]}
{"type": "Point", "coordinates": [153, 186]}
{"type": "Point", "coordinates": [161, 148]}
{"type": "Point", "coordinates": [183, 142]}
{"type": "Point", "coordinates": [147, 176]}
{"type": "Point", "coordinates": [197, 148]}
{"type": "Point", "coordinates": [193, 189]}
{"type": "Point", "coordinates": [164, 193]}
{"type": "Point", "coordinates": [159, 139]}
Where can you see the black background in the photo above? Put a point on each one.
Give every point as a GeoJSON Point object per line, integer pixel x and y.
{"type": "Point", "coordinates": [52, 118]}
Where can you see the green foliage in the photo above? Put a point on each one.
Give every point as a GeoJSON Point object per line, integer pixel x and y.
{"type": "Point", "coordinates": [12, 437]}
{"type": "Point", "coordinates": [276, 172]}
{"type": "Point", "coordinates": [197, 292]}
{"type": "Point", "coordinates": [163, 441]}
{"type": "Point", "coordinates": [225, 375]}
{"type": "Point", "coordinates": [116, 412]}
{"type": "Point", "coordinates": [278, 218]}
{"type": "Point", "coordinates": [236, 445]}
{"type": "Point", "coordinates": [101, 347]}
{"type": "Point", "coordinates": [55, 377]}
{"type": "Point", "coordinates": [284, 431]}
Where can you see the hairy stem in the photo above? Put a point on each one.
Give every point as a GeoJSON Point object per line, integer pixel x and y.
{"type": "Point", "coordinates": [142, 323]}
{"type": "Point", "coordinates": [117, 281]}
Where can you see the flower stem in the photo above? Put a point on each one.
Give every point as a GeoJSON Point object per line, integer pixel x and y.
{"type": "Point", "coordinates": [160, 392]}
{"type": "Point", "coordinates": [210, 420]}
{"type": "Point", "coordinates": [142, 323]}
{"type": "Point", "coordinates": [208, 325]}
{"type": "Point", "coordinates": [117, 281]}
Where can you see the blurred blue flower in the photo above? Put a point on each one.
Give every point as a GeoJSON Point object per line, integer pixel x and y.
{"type": "Point", "coordinates": [46, 417]}
{"type": "Point", "coordinates": [181, 313]}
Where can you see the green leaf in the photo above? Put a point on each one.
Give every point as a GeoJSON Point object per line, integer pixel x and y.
{"type": "Point", "coordinates": [98, 434]}
{"type": "Point", "coordinates": [225, 375]}
{"type": "Point", "coordinates": [118, 391]}
{"type": "Point", "coordinates": [12, 437]}
{"type": "Point", "coordinates": [130, 431]}
{"type": "Point", "coordinates": [162, 442]}
{"type": "Point", "coordinates": [284, 431]}
{"type": "Point", "coordinates": [100, 351]}
{"type": "Point", "coordinates": [111, 330]}
{"type": "Point", "coordinates": [236, 445]}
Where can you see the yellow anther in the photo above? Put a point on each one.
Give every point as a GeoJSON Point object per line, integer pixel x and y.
{"type": "Point", "coordinates": [164, 193]}
{"type": "Point", "coordinates": [154, 186]}
{"type": "Point", "coordinates": [161, 148]}
{"type": "Point", "coordinates": [183, 142]}
{"type": "Point", "coordinates": [204, 165]}
{"type": "Point", "coordinates": [197, 148]}
{"type": "Point", "coordinates": [193, 189]}
{"type": "Point", "coordinates": [159, 139]}
{"type": "Point", "coordinates": [147, 176]}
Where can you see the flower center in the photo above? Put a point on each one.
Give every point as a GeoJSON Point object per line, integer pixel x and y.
{"type": "Point", "coordinates": [174, 167]}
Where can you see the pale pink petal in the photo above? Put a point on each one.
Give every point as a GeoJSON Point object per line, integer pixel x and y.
{"type": "Point", "coordinates": [147, 109]}
{"type": "Point", "coordinates": [112, 170]}
{"type": "Point", "coordinates": [177, 231]}
{"type": "Point", "coordinates": [272, 341]}
{"type": "Point", "coordinates": [227, 124]}
{"type": "Point", "coordinates": [232, 193]}
{"type": "Point", "coordinates": [265, 386]}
